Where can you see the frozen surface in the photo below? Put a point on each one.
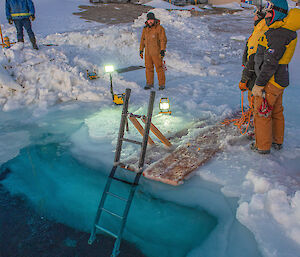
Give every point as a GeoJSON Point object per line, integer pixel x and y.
{"type": "Point", "coordinates": [166, 5]}
{"type": "Point", "coordinates": [53, 16]}
{"type": "Point", "coordinates": [60, 109]}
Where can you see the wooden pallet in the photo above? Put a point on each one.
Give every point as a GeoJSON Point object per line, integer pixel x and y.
{"type": "Point", "coordinates": [179, 164]}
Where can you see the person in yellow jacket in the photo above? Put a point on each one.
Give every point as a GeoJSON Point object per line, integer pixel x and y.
{"type": "Point", "coordinates": [275, 51]}
{"type": "Point", "coordinates": [297, 2]}
{"type": "Point", "coordinates": [154, 41]}
{"type": "Point", "coordinates": [248, 74]}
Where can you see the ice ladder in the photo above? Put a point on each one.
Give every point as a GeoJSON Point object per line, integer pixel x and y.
{"type": "Point", "coordinates": [111, 177]}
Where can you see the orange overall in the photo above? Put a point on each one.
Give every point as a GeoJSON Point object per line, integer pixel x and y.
{"type": "Point", "coordinates": [269, 129]}
{"type": "Point", "coordinates": [154, 40]}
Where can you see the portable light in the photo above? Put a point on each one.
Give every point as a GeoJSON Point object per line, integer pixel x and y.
{"type": "Point", "coordinates": [109, 68]}
{"type": "Point", "coordinates": [164, 105]}
{"type": "Point", "coordinates": [118, 99]}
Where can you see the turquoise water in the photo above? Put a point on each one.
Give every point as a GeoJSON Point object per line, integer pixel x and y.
{"type": "Point", "coordinates": [68, 191]}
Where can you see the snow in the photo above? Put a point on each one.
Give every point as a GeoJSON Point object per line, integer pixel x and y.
{"type": "Point", "coordinates": [233, 6]}
{"type": "Point", "coordinates": [165, 5]}
{"type": "Point", "coordinates": [203, 58]}
{"type": "Point", "coordinates": [54, 16]}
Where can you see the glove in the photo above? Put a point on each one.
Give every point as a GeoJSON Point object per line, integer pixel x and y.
{"type": "Point", "coordinates": [141, 54]}
{"type": "Point", "coordinates": [10, 21]}
{"type": "Point", "coordinates": [243, 86]}
{"type": "Point", "coordinates": [257, 91]}
{"type": "Point", "coordinates": [162, 53]}
{"type": "Point", "coordinates": [32, 17]}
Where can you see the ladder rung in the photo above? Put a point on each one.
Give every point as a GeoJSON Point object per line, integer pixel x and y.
{"type": "Point", "coordinates": [116, 196]}
{"type": "Point", "coordinates": [124, 181]}
{"type": "Point", "coordinates": [132, 141]}
{"type": "Point", "coordinates": [106, 231]}
{"type": "Point", "coordinates": [112, 213]}
{"type": "Point", "coordinates": [126, 167]}
{"type": "Point", "coordinates": [136, 115]}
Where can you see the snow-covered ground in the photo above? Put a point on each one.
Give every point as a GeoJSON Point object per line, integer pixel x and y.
{"type": "Point", "coordinates": [203, 61]}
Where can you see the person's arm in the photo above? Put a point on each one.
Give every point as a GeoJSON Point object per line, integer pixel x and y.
{"type": "Point", "coordinates": [31, 7]}
{"type": "Point", "coordinates": [245, 55]}
{"type": "Point", "coordinates": [163, 39]}
{"type": "Point", "coordinates": [272, 55]}
{"type": "Point", "coordinates": [7, 9]}
{"type": "Point", "coordinates": [248, 70]}
{"type": "Point", "coordinates": [142, 43]}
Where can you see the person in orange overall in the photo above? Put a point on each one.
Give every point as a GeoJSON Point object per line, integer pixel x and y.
{"type": "Point", "coordinates": [154, 41]}
{"type": "Point", "coordinates": [275, 50]}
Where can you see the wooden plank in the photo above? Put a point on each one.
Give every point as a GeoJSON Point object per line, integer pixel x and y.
{"type": "Point", "coordinates": [159, 135]}
{"type": "Point", "coordinates": [140, 129]}
{"type": "Point", "coordinates": [178, 165]}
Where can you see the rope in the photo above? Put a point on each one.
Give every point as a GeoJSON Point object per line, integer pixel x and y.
{"type": "Point", "coordinates": [245, 118]}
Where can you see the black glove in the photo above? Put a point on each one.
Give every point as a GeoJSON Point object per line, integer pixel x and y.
{"type": "Point", "coordinates": [10, 21]}
{"type": "Point", "coordinates": [32, 17]}
{"type": "Point", "coordinates": [141, 54]}
{"type": "Point", "coordinates": [162, 53]}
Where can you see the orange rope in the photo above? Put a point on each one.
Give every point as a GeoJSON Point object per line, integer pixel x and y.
{"type": "Point", "coordinates": [245, 118]}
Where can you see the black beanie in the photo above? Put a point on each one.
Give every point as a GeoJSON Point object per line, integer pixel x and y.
{"type": "Point", "coordinates": [150, 16]}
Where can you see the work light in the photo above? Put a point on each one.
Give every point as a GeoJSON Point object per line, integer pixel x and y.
{"type": "Point", "coordinates": [164, 105]}
{"type": "Point", "coordinates": [109, 68]}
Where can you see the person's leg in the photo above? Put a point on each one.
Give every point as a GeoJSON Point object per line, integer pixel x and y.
{"type": "Point", "coordinates": [149, 70]}
{"type": "Point", "coordinates": [19, 28]}
{"type": "Point", "coordinates": [278, 121]}
{"type": "Point", "coordinates": [159, 70]}
{"type": "Point", "coordinates": [264, 125]}
{"type": "Point", "coordinates": [27, 26]}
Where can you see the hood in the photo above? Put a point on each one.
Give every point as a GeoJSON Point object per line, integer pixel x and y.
{"type": "Point", "coordinates": [278, 15]}
{"type": "Point", "coordinates": [291, 22]}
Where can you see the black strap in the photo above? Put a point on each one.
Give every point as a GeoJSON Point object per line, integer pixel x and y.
{"type": "Point", "coordinates": [280, 9]}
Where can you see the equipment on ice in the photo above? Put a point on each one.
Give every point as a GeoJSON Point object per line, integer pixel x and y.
{"type": "Point", "coordinates": [99, 225]}
{"type": "Point", "coordinates": [6, 42]}
{"type": "Point", "coordinates": [118, 99]}
{"type": "Point", "coordinates": [164, 106]}
{"type": "Point", "coordinates": [265, 109]}
{"type": "Point", "coordinates": [91, 75]}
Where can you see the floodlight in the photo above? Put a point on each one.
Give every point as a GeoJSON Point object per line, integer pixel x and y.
{"type": "Point", "coordinates": [109, 68]}
{"type": "Point", "coordinates": [164, 105]}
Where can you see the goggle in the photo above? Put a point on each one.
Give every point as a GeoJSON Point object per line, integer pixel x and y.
{"type": "Point", "coordinates": [270, 6]}
{"type": "Point", "coordinates": [258, 9]}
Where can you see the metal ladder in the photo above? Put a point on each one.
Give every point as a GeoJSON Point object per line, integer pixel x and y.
{"type": "Point", "coordinates": [112, 177]}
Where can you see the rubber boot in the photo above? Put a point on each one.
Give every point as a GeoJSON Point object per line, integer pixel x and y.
{"type": "Point", "coordinates": [255, 149]}
{"type": "Point", "coordinates": [161, 87]}
{"type": "Point", "coordinates": [33, 42]}
{"type": "Point", "coordinates": [277, 146]}
{"type": "Point", "coordinates": [148, 87]}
